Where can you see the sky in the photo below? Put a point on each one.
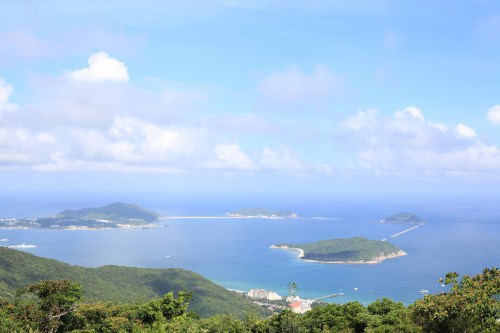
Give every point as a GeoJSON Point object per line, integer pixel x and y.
{"type": "Point", "coordinates": [250, 96]}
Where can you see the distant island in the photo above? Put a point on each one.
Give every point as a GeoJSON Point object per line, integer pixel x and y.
{"type": "Point", "coordinates": [115, 215]}
{"type": "Point", "coordinates": [357, 250]}
{"type": "Point", "coordinates": [403, 218]}
{"type": "Point", "coordinates": [262, 213]}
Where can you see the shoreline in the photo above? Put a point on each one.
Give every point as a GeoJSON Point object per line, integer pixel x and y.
{"type": "Point", "coordinates": [375, 260]}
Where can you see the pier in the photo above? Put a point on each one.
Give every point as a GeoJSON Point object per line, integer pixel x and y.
{"type": "Point", "coordinates": [329, 296]}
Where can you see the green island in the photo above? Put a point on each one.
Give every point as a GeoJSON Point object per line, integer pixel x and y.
{"type": "Point", "coordinates": [47, 296]}
{"type": "Point", "coordinates": [115, 215]}
{"type": "Point", "coordinates": [356, 250]}
{"type": "Point", "coordinates": [262, 213]}
{"type": "Point", "coordinates": [403, 218]}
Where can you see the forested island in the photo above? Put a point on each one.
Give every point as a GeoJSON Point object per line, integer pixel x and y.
{"type": "Point", "coordinates": [403, 218]}
{"type": "Point", "coordinates": [262, 213]}
{"type": "Point", "coordinates": [115, 215]}
{"type": "Point", "coordinates": [356, 250]}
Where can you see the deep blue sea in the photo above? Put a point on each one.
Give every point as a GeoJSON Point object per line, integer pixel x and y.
{"type": "Point", "coordinates": [235, 253]}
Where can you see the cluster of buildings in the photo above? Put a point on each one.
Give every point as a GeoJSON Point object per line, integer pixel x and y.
{"type": "Point", "coordinates": [263, 294]}
{"type": "Point", "coordinates": [295, 303]}
{"type": "Point", "coordinates": [299, 305]}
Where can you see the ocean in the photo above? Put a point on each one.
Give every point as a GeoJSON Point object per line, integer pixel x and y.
{"type": "Point", "coordinates": [235, 253]}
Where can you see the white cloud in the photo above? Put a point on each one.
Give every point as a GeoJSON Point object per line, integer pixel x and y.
{"type": "Point", "coordinates": [101, 68]}
{"type": "Point", "coordinates": [362, 120]}
{"type": "Point", "coordinates": [406, 144]}
{"type": "Point", "coordinates": [465, 132]}
{"type": "Point", "coordinates": [410, 111]}
{"type": "Point", "coordinates": [280, 159]}
{"type": "Point", "coordinates": [231, 157]}
{"type": "Point", "coordinates": [5, 92]}
{"type": "Point", "coordinates": [494, 114]}
{"type": "Point", "coordinates": [295, 86]}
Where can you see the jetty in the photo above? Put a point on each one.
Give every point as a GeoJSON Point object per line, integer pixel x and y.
{"type": "Point", "coordinates": [405, 231]}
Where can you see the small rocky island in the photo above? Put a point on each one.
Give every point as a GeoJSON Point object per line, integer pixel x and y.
{"type": "Point", "coordinates": [262, 213]}
{"type": "Point", "coordinates": [357, 250]}
{"type": "Point", "coordinates": [115, 215]}
{"type": "Point", "coordinates": [403, 218]}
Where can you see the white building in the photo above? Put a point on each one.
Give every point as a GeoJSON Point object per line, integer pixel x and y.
{"type": "Point", "coordinates": [272, 296]}
{"type": "Point", "coordinates": [263, 294]}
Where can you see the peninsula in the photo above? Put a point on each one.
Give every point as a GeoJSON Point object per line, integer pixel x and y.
{"type": "Point", "coordinates": [262, 213]}
{"type": "Point", "coordinates": [403, 218]}
{"type": "Point", "coordinates": [115, 215]}
{"type": "Point", "coordinates": [357, 250]}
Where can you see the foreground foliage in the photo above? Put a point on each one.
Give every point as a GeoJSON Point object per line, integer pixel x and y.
{"type": "Point", "coordinates": [472, 305]}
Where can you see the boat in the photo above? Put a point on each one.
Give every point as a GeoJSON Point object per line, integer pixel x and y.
{"type": "Point", "coordinates": [424, 291]}
{"type": "Point", "coordinates": [22, 246]}
{"type": "Point", "coordinates": [356, 288]}
{"type": "Point", "coordinates": [4, 240]}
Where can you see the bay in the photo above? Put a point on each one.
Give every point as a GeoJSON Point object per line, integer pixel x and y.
{"type": "Point", "coordinates": [236, 253]}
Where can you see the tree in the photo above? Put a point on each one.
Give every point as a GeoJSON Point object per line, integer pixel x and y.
{"type": "Point", "coordinates": [165, 308]}
{"type": "Point", "coordinates": [54, 299]}
{"type": "Point", "coordinates": [472, 305]}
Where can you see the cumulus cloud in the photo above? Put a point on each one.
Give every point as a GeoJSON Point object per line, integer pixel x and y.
{"type": "Point", "coordinates": [406, 144]}
{"type": "Point", "coordinates": [410, 111]}
{"type": "Point", "coordinates": [101, 68]}
{"type": "Point", "coordinates": [279, 159]}
{"type": "Point", "coordinates": [465, 132]}
{"type": "Point", "coordinates": [493, 114]}
{"type": "Point", "coordinates": [231, 157]}
{"type": "Point", "coordinates": [5, 92]}
{"type": "Point", "coordinates": [296, 86]}
{"type": "Point", "coordinates": [362, 120]}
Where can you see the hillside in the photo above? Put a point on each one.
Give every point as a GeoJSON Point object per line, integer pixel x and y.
{"type": "Point", "coordinates": [403, 218]}
{"type": "Point", "coordinates": [120, 284]}
{"type": "Point", "coordinates": [347, 250]}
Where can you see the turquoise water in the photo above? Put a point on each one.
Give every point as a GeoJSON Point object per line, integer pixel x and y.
{"type": "Point", "coordinates": [236, 253]}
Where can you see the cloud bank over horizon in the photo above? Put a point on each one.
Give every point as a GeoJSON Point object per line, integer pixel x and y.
{"type": "Point", "coordinates": [94, 119]}
{"type": "Point", "coordinates": [324, 92]}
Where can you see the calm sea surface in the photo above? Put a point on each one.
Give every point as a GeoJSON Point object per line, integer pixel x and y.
{"type": "Point", "coordinates": [236, 253]}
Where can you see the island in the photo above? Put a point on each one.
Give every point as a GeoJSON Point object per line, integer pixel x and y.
{"type": "Point", "coordinates": [262, 213]}
{"type": "Point", "coordinates": [356, 250]}
{"type": "Point", "coordinates": [403, 218]}
{"type": "Point", "coordinates": [115, 215]}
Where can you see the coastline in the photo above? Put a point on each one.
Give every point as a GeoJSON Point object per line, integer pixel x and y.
{"type": "Point", "coordinates": [375, 260]}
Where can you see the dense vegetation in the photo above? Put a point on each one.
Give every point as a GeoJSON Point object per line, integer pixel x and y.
{"type": "Point", "coordinates": [120, 284]}
{"type": "Point", "coordinates": [115, 212]}
{"type": "Point", "coordinates": [404, 218]}
{"type": "Point", "coordinates": [472, 306]}
{"type": "Point", "coordinates": [345, 249]}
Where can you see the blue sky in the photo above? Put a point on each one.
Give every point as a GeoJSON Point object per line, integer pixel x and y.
{"type": "Point", "coordinates": [258, 96]}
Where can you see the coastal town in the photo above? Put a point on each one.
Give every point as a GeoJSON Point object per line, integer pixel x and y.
{"type": "Point", "coordinates": [274, 302]}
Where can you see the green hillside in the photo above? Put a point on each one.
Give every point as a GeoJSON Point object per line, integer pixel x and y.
{"type": "Point", "coordinates": [120, 284]}
{"type": "Point", "coordinates": [115, 212]}
{"type": "Point", "coordinates": [357, 249]}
